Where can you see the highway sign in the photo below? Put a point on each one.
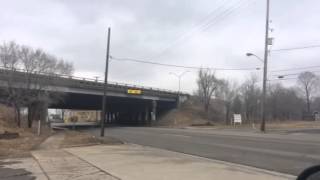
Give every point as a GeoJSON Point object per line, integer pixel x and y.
{"type": "Point", "coordinates": [134, 91]}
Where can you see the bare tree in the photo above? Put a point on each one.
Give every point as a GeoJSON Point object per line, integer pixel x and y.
{"type": "Point", "coordinates": [44, 64]}
{"type": "Point", "coordinates": [283, 103]}
{"type": "Point", "coordinates": [251, 96]}
{"type": "Point", "coordinates": [9, 55]}
{"type": "Point", "coordinates": [33, 94]}
{"type": "Point", "coordinates": [237, 104]}
{"type": "Point", "coordinates": [308, 83]}
{"type": "Point", "coordinates": [227, 92]}
{"type": "Point", "coordinates": [316, 104]}
{"type": "Point", "coordinates": [64, 68]}
{"type": "Point", "coordinates": [9, 59]}
{"type": "Point", "coordinates": [207, 85]}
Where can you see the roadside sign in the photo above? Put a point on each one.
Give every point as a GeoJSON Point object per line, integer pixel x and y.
{"type": "Point", "coordinates": [134, 91]}
{"type": "Point", "coordinates": [237, 119]}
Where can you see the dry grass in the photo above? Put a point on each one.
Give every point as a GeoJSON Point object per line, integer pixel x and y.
{"type": "Point", "coordinates": [274, 125]}
{"type": "Point", "coordinates": [189, 114]}
{"type": "Point", "coordinates": [21, 146]}
{"type": "Point", "coordinates": [78, 138]}
{"type": "Point", "coordinates": [192, 115]}
{"type": "Point", "coordinates": [26, 141]}
{"type": "Point", "coordinates": [181, 118]}
{"type": "Point", "coordinates": [293, 124]}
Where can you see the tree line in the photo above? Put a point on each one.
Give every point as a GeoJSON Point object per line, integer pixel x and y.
{"type": "Point", "coordinates": [32, 93]}
{"type": "Point", "coordinates": [221, 98]}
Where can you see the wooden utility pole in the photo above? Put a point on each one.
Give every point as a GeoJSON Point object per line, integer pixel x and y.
{"type": "Point", "coordinates": [104, 98]}
{"type": "Point", "coordinates": [265, 70]}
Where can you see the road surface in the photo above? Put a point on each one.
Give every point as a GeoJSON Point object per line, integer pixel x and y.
{"type": "Point", "coordinates": [281, 153]}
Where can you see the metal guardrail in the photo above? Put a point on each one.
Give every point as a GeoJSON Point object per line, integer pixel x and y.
{"type": "Point", "coordinates": [91, 81]}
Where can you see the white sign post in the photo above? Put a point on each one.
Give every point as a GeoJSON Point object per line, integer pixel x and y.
{"type": "Point", "coordinates": [237, 119]}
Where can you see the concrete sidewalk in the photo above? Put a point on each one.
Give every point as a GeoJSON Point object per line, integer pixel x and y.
{"type": "Point", "coordinates": [21, 169]}
{"type": "Point", "coordinates": [58, 164]}
{"type": "Point", "coordinates": [134, 162]}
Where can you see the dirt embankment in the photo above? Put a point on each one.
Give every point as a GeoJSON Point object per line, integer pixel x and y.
{"type": "Point", "coordinates": [27, 138]}
{"type": "Point", "coordinates": [189, 114]}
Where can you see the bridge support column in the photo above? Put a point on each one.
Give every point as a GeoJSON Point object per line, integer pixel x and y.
{"type": "Point", "coordinates": [110, 117]}
{"type": "Point", "coordinates": [154, 111]}
{"type": "Point", "coordinates": [62, 114]}
{"type": "Point", "coordinates": [43, 112]}
{"type": "Point", "coordinates": [140, 118]}
{"type": "Point", "coordinates": [117, 117]}
{"type": "Point", "coordinates": [31, 115]}
{"type": "Point", "coordinates": [107, 117]}
{"type": "Point", "coordinates": [146, 115]}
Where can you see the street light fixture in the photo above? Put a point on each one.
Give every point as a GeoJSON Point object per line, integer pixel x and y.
{"type": "Point", "coordinates": [251, 54]}
{"type": "Point", "coordinates": [179, 77]}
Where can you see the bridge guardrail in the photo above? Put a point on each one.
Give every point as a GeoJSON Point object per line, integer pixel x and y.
{"type": "Point", "coordinates": [87, 82]}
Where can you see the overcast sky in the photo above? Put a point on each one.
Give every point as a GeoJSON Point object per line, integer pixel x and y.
{"type": "Point", "coordinates": [184, 32]}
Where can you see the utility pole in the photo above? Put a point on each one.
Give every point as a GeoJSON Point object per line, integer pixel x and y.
{"type": "Point", "coordinates": [104, 98]}
{"type": "Point", "coordinates": [265, 70]}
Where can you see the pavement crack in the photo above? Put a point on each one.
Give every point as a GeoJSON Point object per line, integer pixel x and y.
{"type": "Point", "coordinates": [43, 171]}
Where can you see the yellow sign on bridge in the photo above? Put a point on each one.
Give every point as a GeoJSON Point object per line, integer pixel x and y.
{"type": "Point", "coordinates": [134, 91]}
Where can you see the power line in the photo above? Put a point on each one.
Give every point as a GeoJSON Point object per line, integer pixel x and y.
{"type": "Point", "coordinates": [294, 74]}
{"type": "Point", "coordinates": [292, 69]}
{"type": "Point", "coordinates": [226, 13]}
{"type": "Point", "coordinates": [203, 20]}
{"type": "Point", "coordinates": [181, 66]}
{"type": "Point", "coordinates": [296, 48]}
{"type": "Point", "coordinates": [283, 79]}
{"type": "Point", "coordinates": [205, 25]}
{"type": "Point", "coordinates": [194, 28]}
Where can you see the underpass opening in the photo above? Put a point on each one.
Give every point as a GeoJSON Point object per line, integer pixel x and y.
{"type": "Point", "coordinates": [122, 111]}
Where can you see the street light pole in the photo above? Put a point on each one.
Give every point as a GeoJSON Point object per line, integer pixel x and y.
{"type": "Point", "coordinates": [96, 78]}
{"type": "Point", "coordinates": [265, 70]}
{"type": "Point", "coordinates": [179, 78]}
{"type": "Point", "coordinates": [104, 98]}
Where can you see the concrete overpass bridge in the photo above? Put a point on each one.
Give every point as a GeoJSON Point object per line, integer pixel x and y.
{"type": "Point", "coordinates": [126, 104]}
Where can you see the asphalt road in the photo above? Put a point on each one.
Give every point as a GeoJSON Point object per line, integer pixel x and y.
{"type": "Point", "coordinates": [280, 153]}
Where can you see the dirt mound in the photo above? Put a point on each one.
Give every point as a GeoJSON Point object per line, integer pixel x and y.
{"type": "Point", "coordinates": [189, 114]}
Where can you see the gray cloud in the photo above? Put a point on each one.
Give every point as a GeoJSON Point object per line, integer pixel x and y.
{"type": "Point", "coordinates": [76, 31]}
